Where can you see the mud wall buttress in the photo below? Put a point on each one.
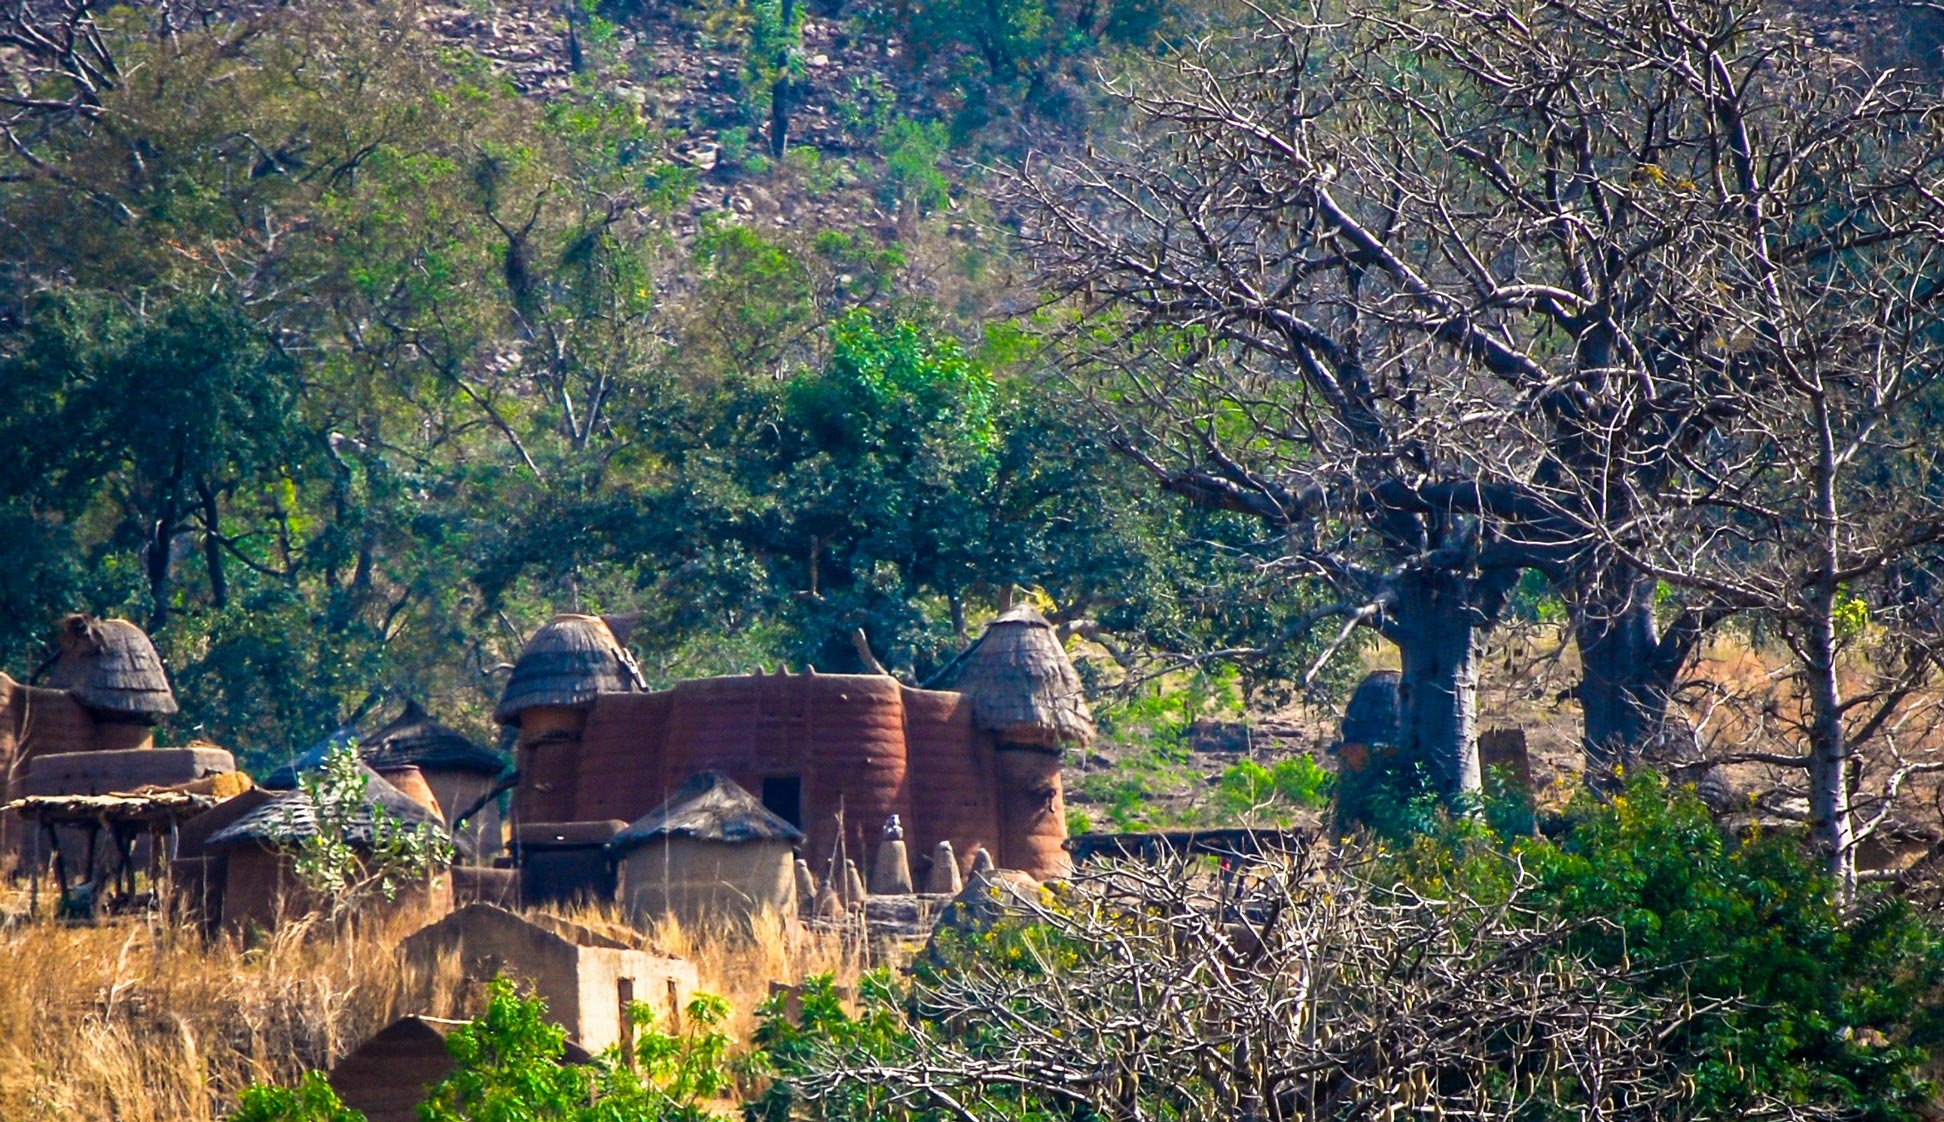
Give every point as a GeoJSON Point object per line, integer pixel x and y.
{"type": "Point", "coordinates": [1032, 813]}
{"type": "Point", "coordinates": [953, 778]}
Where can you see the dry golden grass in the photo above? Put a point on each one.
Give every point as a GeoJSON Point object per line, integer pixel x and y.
{"type": "Point", "coordinates": [142, 1020]}
{"type": "Point", "coordinates": [740, 964]}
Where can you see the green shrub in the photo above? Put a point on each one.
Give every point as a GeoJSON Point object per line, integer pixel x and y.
{"type": "Point", "coordinates": [912, 152]}
{"type": "Point", "coordinates": [1798, 1000]}
{"type": "Point", "coordinates": [507, 1069]}
{"type": "Point", "coordinates": [1295, 782]}
{"type": "Point", "coordinates": [312, 1100]}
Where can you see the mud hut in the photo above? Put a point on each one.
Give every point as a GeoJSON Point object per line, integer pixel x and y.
{"type": "Point", "coordinates": [459, 772]}
{"type": "Point", "coordinates": [111, 668]}
{"type": "Point", "coordinates": [1026, 695]}
{"type": "Point", "coordinates": [588, 975]}
{"type": "Point", "coordinates": [711, 853]}
{"type": "Point", "coordinates": [259, 885]}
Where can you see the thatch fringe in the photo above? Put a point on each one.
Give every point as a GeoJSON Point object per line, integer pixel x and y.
{"type": "Point", "coordinates": [110, 666]}
{"type": "Point", "coordinates": [709, 807]}
{"type": "Point", "coordinates": [1023, 687]}
{"type": "Point", "coordinates": [568, 662]}
{"type": "Point", "coordinates": [289, 818]}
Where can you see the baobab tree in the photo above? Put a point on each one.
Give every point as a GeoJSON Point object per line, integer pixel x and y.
{"type": "Point", "coordinates": [1427, 287]}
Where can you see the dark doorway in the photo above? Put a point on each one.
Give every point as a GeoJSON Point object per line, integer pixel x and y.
{"type": "Point", "coordinates": [783, 797]}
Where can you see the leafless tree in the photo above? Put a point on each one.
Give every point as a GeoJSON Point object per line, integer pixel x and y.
{"type": "Point", "coordinates": [1420, 285]}
{"type": "Point", "coordinates": [1286, 993]}
{"type": "Point", "coordinates": [1749, 279]}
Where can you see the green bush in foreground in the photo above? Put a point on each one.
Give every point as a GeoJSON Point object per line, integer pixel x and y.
{"type": "Point", "coordinates": [507, 1069]}
{"type": "Point", "coordinates": [1798, 1000]}
{"type": "Point", "coordinates": [1720, 981]}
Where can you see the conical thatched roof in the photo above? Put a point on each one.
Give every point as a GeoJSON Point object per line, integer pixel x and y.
{"type": "Point", "coordinates": [1372, 715]}
{"type": "Point", "coordinates": [418, 740]}
{"type": "Point", "coordinates": [290, 818]}
{"type": "Point", "coordinates": [567, 662]}
{"type": "Point", "coordinates": [110, 666]}
{"type": "Point", "coordinates": [1023, 688]}
{"type": "Point", "coordinates": [709, 807]}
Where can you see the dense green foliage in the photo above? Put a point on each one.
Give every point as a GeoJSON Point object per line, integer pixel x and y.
{"type": "Point", "coordinates": [357, 364]}
{"type": "Point", "coordinates": [312, 1100]}
{"type": "Point", "coordinates": [359, 851]}
{"type": "Point", "coordinates": [1800, 1000]}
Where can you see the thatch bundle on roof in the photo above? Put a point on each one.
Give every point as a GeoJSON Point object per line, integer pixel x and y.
{"type": "Point", "coordinates": [567, 663]}
{"type": "Point", "coordinates": [1023, 687]}
{"type": "Point", "coordinates": [709, 807]}
{"type": "Point", "coordinates": [110, 666]}
{"type": "Point", "coordinates": [1372, 715]}
{"type": "Point", "coordinates": [291, 818]}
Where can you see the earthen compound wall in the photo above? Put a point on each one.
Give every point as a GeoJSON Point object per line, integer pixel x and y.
{"type": "Point", "coordinates": [862, 745]}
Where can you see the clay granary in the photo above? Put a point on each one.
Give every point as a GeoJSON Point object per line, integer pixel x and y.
{"type": "Point", "coordinates": [259, 882]}
{"type": "Point", "coordinates": [90, 730]}
{"type": "Point", "coordinates": [833, 755]}
{"type": "Point", "coordinates": [105, 691]}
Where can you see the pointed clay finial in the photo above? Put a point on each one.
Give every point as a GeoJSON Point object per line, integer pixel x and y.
{"type": "Point", "coordinates": [853, 884]}
{"type": "Point", "coordinates": [806, 886]}
{"type": "Point", "coordinates": [891, 872]}
{"type": "Point", "coordinates": [829, 904]}
{"type": "Point", "coordinates": [943, 880]}
{"type": "Point", "coordinates": [982, 862]}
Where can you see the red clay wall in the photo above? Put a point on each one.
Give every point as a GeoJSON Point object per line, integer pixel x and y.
{"type": "Point", "coordinates": [34, 722]}
{"type": "Point", "coordinates": [841, 735]}
{"type": "Point", "coordinates": [954, 788]}
{"type": "Point", "coordinates": [1032, 813]}
{"type": "Point", "coordinates": [261, 889]}
{"type": "Point", "coordinates": [623, 757]}
{"type": "Point", "coordinates": [862, 742]}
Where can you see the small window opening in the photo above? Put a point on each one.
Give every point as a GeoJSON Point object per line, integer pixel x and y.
{"type": "Point", "coordinates": [783, 797]}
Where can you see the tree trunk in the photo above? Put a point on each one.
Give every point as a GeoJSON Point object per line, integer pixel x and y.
{"type": "Point", "coordinates": [213, 545]}
{"type": "Point", "coordinates": [1627, 669]}
{"type": "Point", "coordinates": [1435, 630]}
{"type": "Point", "coordinates": [1830, 823]}
{"type": "Point", "coordinates": [161, 542]}
{"type": "Point", "coordinates": [780, 92]}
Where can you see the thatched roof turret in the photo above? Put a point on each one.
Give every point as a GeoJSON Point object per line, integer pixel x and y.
{"type": "Point", "coordinates": [709, 807]}
{"type": "Point", "coordinates": [417, 740]}
{"type": "Point", "coordinates": [413, 740]}
{"type": "Point", "coordinates": [1023, 687]}
{"type": "Point", "coordinates": [1372, 715]}
{"type": "Point", "coordinates": [566, 663]}
{"type": "Point", "coordinates": [290, 818]}
{"type": "Point", "coordinates": [110, 666]}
